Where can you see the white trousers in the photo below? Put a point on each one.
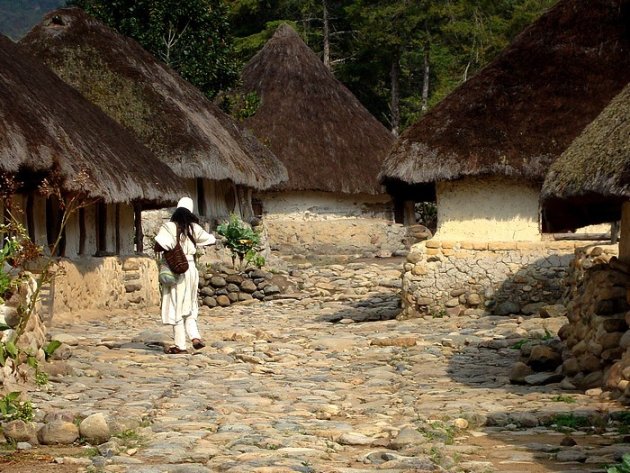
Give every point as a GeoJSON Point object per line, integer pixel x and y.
{"type": "Point", "coordinates": [186, 326]}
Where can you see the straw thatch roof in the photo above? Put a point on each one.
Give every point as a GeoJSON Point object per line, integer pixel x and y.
{"type": "Point", "coordinates": [166, 113]}
{"type": "Point", "coordinates": [518, 114]}
{"type": "Point", "coordinates": [591, 179]}
{"type": "Point", "coordinates": [327, 140]}
{"type": "Point", "coordinates": [47, 125]}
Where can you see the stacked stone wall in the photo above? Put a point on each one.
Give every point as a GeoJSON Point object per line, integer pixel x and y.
{"type": "Point", "coordinates": [597, 338]}
{"type": "Point", "coordinates": [221, 286]}
{"type": "Point", "coordinates": [13, 375]}
{"type": "Point", "coordinates": [473, 278]}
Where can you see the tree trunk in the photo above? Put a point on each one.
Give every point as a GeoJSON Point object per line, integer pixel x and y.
{"type": "Point", "coordinates": [395, 96]}
{"type": "Point", "coordinates": [425, 80]}
{"type": "Point", "coordinates": [326, 35]}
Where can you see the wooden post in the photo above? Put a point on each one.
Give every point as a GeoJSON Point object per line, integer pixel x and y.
{"type": "Point", "coordinates": [137, 222]}
{"type": "Point", "coordinates": [410, 212]}
{"type": "Point", "coordinates": [624, 238]}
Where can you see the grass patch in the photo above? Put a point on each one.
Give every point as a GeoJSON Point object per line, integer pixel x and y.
{"type": "Point", "coordinates": [564, 398]}
{"type": "Point", "coordinates": [568, 422]}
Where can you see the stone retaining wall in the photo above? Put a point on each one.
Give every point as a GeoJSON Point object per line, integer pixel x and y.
{"type": "Point", "coordinates": [222, 286]}
{"type": "Point", "coordinates": [597, 338]}
{"type": "Point", "coordinates": [32, 341]}
{"type": "Point", "coordinates": [484, 277]}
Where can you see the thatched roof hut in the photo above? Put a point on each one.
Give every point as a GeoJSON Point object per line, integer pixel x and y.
{"type": "Point", "coordinates": [590, 181]}
{"type": "Point", "coordinates": [165, 112]}
{"type": "Point", "coordinates": [327, 140]}
{"type": "Point", "coordinates": [46, 124]}
{"type": "Point", "coordinates": [518, 114]}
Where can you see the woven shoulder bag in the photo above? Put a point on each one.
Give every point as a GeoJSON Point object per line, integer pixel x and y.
{"type": "Point", "coordinates": [176, 259]}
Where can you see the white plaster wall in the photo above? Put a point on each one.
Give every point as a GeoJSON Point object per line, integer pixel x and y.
{"type": "Point", "coordinates": [39, 221]}
{"type": "Point", "coordinates": [324, 206]}
{"type": "Point", "coordinates": [324, 223]}
{"type": "Point", "coordinates": [490, 209]}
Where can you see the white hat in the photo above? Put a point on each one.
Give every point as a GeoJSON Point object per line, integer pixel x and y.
{"type": "Point", "coordinates": [186, 203]}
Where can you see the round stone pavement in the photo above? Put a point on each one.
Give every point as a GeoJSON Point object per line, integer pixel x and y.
{"type": "Point", "coordinates": [323, 380]}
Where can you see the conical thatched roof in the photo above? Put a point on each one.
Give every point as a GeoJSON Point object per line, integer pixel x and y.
{"type": "Point", "coordinates": [327, 140]}
{"type": "Point", "coordinates": [166, 113]}
{"type": "Point", "coordinates": [518, 114]}
{"type": "Point", "coordinates": [45, 124]}
{"type": "Point", "coordinates": [591, 179]}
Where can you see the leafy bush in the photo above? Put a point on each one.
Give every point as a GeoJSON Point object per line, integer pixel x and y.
{"type": "Point", "coordinates": [11, 408]}
{"type": "Point", "coordinates": [242, 241]}
{"type": "Point", "coordinates": [623, 467]}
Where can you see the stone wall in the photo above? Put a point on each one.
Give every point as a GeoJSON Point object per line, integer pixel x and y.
{"type": "Point", "coordinates": [597, 338]}
{"type": "Point", "coordinates": [107, 282]}
{"type": "Point", "coordinates": [32, 341]}
{"type": "Point", "coordinates": [223, 286]}
{"type": "Point", "coordinates": [484, 277]}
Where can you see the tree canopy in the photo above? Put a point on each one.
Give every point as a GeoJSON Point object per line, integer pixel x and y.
{"type": "Point", "coordinates": [399, 57]}
{"type": "Point", "coordinates": [191, 36]}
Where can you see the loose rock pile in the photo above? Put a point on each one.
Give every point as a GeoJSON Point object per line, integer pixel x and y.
{"type": "Point", "coordinates": [597, 338]}
{"type": "Point", "coordinates": [592, 350]}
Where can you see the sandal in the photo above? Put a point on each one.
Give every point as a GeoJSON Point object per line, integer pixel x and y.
{"type": "Point", "coordinates": [174, 350]}
{"type": "Point", "coordinates": [197, 344]}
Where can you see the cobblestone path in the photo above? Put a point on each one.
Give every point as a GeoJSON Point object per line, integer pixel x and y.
{"type": "Point", "coordinates": [324, 381]}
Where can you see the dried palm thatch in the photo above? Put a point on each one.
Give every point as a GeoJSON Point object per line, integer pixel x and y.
{"type": "Point", "coordinates": [591, 179]}
{"type": "Point", "coordinates": [518, 114]}
{"type": "Point", "coordinates": [166, 113]}
{"type": "Point", "coordinates": [47, 125]}
{"type": "Point", "coordinates": [327, 140]}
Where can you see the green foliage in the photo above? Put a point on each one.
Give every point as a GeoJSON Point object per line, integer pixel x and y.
{"type": "Point", "coordinates": [564, 398]}
{"type": "Point", "coordinates": [567, 422]}
{"type": "Point", "coordinates": [11, 408]}
{"type": "Point", "coordinates": [252, 257]}
{"type": "Point", "coordinates": [368, 38]}
{"type": "Point", "coordinates": [191, 36]}
{"type": "Point", "coordinates": [623, 467]}
{"type": "Point", "coordinates": [240, 239]}
{"type": "Point", "coordinates": [241, 106]}
{"type": "Point", "coordinates": [51, 347]}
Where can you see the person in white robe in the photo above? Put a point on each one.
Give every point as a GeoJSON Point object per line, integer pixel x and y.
{"type": "Point", "coordinates": [180, 306]}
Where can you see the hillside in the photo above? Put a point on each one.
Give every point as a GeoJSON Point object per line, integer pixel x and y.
{"type": "Point", "coordinates": [17, 17]}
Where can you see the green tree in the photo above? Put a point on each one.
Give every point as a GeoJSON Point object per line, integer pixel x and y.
{"type": "Point", "coordinates": [191, 36]}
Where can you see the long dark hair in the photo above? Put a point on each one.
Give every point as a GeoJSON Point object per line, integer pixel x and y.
{"type": "Point", "coordinates": [184, 220]}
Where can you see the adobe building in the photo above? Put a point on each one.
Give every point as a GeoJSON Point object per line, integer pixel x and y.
{"type": "Point", "coordinates": [333, 149]}
{"type": "Point", "coordinates": [590, 183]}
{"type": "Point", "coordinates": [484, 151]}
{"type": "Point", "coordinates": [220, 164]}
{"type": "Point", "coordinates": [50, 131]}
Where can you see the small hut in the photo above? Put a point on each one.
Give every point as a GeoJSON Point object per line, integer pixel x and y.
{"type": "Point", "coordinates": [485, 148]}
{"type": "Point", "coordinates": [170, 116]}
{"type": "Point", "coordinates": [331, 145]}
{"type": "Point", "coordinates": [47, 127]}
{"type": "Point", "coordinates": [590, 182]}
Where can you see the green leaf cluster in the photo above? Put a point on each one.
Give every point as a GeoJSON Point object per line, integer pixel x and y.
{"type": "Point", "coordinates": [241, 240]}
{"type": "Point", "coordinates": [11, 408]}
{"type": "Point", "coordinates": [623, 467]}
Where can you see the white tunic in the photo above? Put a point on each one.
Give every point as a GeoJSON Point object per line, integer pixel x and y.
{"type": "Point", "coordinates": [180, 300]}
